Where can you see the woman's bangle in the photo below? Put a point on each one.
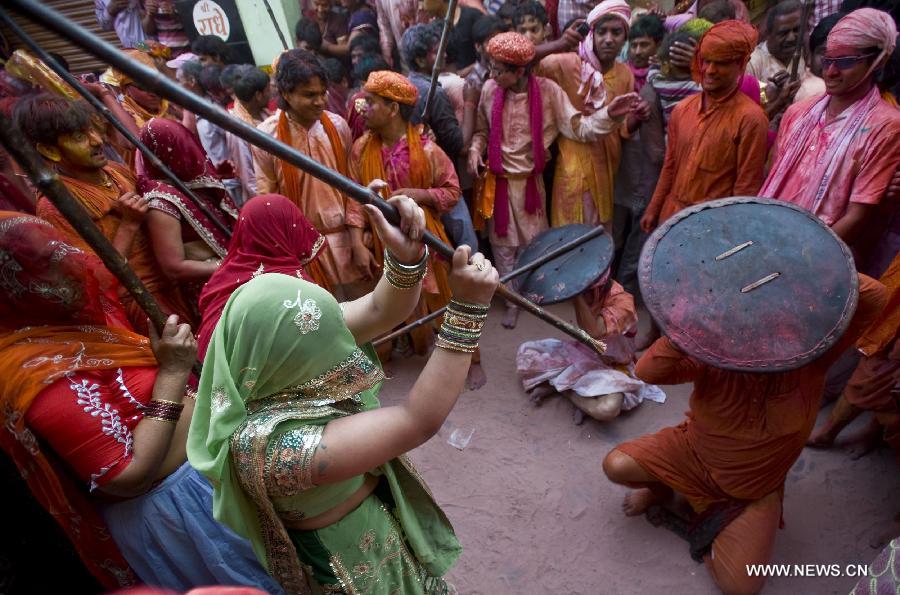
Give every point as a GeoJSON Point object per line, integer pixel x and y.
{"type": "Point", "coordinates": [162, 410]}
{"type": "Point", "coordinates": [462, 326]}
{"type": "Point", "coordinates": [404, 276]}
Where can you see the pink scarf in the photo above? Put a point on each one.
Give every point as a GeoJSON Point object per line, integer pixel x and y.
{"type": "Point", "coordinates": [495, 155]}
{"type": "Point", "coordinates": [802, 134]}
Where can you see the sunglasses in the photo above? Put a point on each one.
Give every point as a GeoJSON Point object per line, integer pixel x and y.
{"type": "Point", "coordinates": [844, 62]}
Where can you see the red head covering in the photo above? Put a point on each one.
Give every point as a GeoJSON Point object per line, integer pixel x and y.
{"type": "Point", "coordinates": [728, 41]}
{"type": "Point", "coordinates": [67, 292]}
{"type": "Point", "coordinates": [511, 48]}
{"type": "Point", "coordinates": [180, 150]}
{"type": "Point", "coordinates": [271, 236]}
{"type": "Point", "coordinates": [48, 281]}
{"type": "Point", "coordinates": [393, 86]}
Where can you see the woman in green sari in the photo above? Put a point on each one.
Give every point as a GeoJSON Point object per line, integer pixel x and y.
{"type": "Point", "coordinates": [288, 427]}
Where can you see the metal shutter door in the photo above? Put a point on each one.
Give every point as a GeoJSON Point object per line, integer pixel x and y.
{"type": "Point", "coordinates": [77, 11]}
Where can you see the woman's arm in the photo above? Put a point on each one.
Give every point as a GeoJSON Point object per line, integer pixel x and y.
{"type": "Point", "coordinates": [176, 351]}
{"type": "Point", "coordinates": [358, 443]}
{"type": "Point", "coordinates": [387, 306]}
{"type": "Point", "coordinates": [165, 235]}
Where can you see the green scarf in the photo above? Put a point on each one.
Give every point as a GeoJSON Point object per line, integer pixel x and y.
{"type": "Point", "coordinates": [282, 351]}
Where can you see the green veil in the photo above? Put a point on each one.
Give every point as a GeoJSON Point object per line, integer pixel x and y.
{"type": "Point", "coordinates": [282, 354]}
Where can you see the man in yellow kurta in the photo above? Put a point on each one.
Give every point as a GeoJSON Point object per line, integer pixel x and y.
{"type": "Point", "coordinates": [303, 123]}
{"type": "Point", "coordinates": [591, 78]}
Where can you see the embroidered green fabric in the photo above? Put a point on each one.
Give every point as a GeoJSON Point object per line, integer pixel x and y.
{"type": "Point", "coordinates": [281, 364]}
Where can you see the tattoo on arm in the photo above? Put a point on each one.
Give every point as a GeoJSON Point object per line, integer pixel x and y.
{"type": "Point", "coordinates": [322, 467]}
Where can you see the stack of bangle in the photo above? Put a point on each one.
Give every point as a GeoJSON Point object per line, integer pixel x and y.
{"type": "Point", "coordinates": [404, 276]}
{"type": "Point", "coordinates": [462, 326]}
{"type": "Point", "coordinates": [161, 410]}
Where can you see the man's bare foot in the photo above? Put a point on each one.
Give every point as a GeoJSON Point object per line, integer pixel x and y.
{"type": "Point", "coordinates": [638, 501]}
{"type": "Point", "coordinates": [511, 317]}
{"type": "Point", "coordinates": [866, 442]}
{"type": "Point", "coordinates": [823, 436]}
{"type": "Point", "coordinates": [476, 377]}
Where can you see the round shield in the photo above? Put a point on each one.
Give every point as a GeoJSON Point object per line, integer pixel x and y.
{"type": "Point", "coordinates": [749, 284]}
{"type": "Point", "coordinates": [565, 276]}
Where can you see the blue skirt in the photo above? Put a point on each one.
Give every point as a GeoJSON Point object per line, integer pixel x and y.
{"type": "Point", "coordinates": [171, 540]}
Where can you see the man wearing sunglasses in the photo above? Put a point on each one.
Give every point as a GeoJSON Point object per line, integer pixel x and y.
{"type": "Point", "coordinates": [836, 153]}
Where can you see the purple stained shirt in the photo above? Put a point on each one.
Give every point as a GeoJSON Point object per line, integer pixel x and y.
{"type": "Point", "coordinates": [127, 23]}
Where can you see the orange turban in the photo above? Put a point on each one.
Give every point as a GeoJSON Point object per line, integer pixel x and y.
{"type": "Point", "coordinates": [728, 41]}
{"type": "Point", "coordinates": [393, 86]}
{"type": "Point", "coordinates": [119, 79]}
{"type": "Point", "coordinates": [511, 48]}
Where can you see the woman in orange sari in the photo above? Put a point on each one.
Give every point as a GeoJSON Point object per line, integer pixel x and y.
{"type": "Point", "coordinates": [97, 418]}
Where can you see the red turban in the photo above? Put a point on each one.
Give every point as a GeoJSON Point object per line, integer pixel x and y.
{"type": "Point", "coordinates": [728, 41]}
{"type": "Point", "coordinates": [393, 86]}
{"type": "Point", "coordinates": [511, 48]}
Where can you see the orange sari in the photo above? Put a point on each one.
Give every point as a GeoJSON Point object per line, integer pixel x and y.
{"type": "Point", "coordinates": [89, 332]}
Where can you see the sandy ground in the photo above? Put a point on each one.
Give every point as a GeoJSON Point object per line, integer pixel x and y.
{"type": "Point", "coordinates": [535, 514]}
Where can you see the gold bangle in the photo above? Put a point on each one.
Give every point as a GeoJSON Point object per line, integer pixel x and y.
{"type": "Point", "coordinates": [162, 419]}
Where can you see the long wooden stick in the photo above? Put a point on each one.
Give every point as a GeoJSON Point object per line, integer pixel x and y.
{"type": "Point", "coordinates": [804, 19]}
{"type": "Point", "coordinates": [104, 111]}
{"type": "Point", "coordinates": [156, 82]}
{"type": "Point", "coordinates": [284, 42]}
{"type": "Point", "coordinates": [555, 253]}
{"type": "Point", "coordinates": [56, 192]}
{"type": "Point", "coordinates": [439, 59]}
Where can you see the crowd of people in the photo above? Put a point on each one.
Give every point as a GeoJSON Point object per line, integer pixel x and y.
{"type": "Point", "coordinates": [276, 467]}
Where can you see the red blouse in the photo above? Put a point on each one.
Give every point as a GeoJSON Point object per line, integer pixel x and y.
{"type": "Point", "coordinates": [88, 419]}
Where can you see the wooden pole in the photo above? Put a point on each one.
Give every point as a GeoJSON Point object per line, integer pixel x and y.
{"type": "Point", "coordinates": [104, 111]}
{"type": "Point", "coordinates": [156, 82]}
{"type": "Point", "coordinates": [284, 42]}
{"type": "Point", "coordinates": [439, 59]}
{"type": "Point", "coordinates": [801, 41]}
{"type": "Point", "coordinates": [56, 192]}
{"type": "Point", "coordinates": [555, 253]}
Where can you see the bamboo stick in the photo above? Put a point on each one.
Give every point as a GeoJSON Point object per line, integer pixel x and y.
{"type": "Point", "coordinates": [439, 59]}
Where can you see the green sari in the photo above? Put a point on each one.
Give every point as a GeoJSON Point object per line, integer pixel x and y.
{"type": "Point", "coordinates": [281, 364]}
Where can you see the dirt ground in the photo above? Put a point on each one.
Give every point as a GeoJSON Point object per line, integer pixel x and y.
{"type": "Point", "coordinates": [535, 514]}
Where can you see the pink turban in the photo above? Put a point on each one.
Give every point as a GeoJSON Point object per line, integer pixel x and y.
{"type": "Point", "coordinates": [863, 29]}
{"type": "Point", "coordinates": [592, 87]}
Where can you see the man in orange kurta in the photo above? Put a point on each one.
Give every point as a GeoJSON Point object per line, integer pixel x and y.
{"type": "Point", "coordinates": [873, 385]}
{"type": "Point", "coordinates": [64, 136]}
{"type": "Point", "coordinates": [731, 455]}
{"type": "Point", "coordinates": [303, 123]}
{"type": "Point", "coordinates": [591, 77]}
{"type": "Point", "coordinates": [717, 138]}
